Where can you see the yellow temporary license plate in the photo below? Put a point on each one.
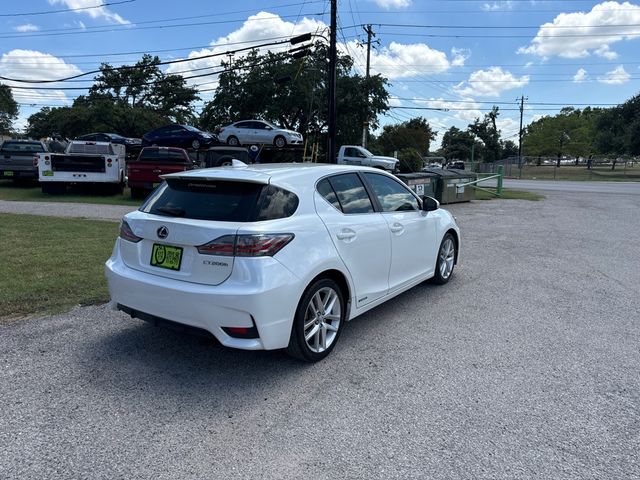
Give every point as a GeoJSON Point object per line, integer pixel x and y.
{"type": "Point", "coordinates": [166, 256]}
{"type": "Point", "coordinates": [8, 174]}
{"type": "Point", "coordinates": [47, 173]}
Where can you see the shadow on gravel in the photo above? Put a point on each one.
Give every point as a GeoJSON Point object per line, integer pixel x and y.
{"type": "Point", "coordinates": [157, 364]}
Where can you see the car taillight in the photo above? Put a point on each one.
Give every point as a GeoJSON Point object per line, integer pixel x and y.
{"type": "Point", "coordinates": [127, 234]}
{"type": "Point", "coordinates": [35, 161]}
{"type": "Point", "coordinates": [261, 245]}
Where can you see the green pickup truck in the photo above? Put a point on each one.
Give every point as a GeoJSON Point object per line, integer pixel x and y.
{"type": "Point", "coordinates": [17, 158]}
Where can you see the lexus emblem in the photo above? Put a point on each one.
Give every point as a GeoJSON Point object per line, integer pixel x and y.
{"type": "Point", "coordinates": [163, 232]}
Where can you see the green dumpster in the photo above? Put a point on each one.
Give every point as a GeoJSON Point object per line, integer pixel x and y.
{"type": "Point", "coordinates": [451, 186]}
{"type": "Point", "coordinates": [423, 183]}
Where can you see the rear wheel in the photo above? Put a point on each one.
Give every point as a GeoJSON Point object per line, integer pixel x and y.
{"type": "Point", "coordinates": [195, 144]}
{"type": "Point", "coordinates": [446, 260]}
{"type": "Point", "coordinates": [318, 321]}
{"type": "Point", "coordinates": [233, 141]}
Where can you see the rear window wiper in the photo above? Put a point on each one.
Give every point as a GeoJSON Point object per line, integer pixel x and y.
{"type": "Point", "coordinates": [173, 211]}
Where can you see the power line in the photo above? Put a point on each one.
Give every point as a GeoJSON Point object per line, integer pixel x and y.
{"type": "Point", "coordinates": [129, 27]}
{"type": "Point", "coordinates": [130, 67]}
{"type": "Point", "coordinates": [497, 27]}
{"type": "Point", "coordinates": [65, 10]}
{"type": "Point", "coordinates": [501, 103]}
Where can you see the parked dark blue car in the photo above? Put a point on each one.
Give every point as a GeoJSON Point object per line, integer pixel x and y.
{"type": "Point", "coordinates": [182, 136]}
{"type": "Point", "coordinates": [131, 145]}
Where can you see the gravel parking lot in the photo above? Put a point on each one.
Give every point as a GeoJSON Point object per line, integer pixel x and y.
{"type": "Point", "coordinates": [526, 365]}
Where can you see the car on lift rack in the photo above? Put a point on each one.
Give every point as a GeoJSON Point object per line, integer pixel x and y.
{"type": "Point", "coordinates": [181, 136]}
{"type": "Point", "coordinates": [277, 256]}
{"type": "Point", "coordinates": [132, 145]}
{"type": "Point", "coordinates": [254, 132]}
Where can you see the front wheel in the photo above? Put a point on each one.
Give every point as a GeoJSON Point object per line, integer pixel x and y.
{"type": "Point", "coordinates": [233, 141]}
{"type": "Point", "coordinates": [195, 144]}
{"type": "Point", "coordinates": [279, 141]}
{"type": "Point", "coordinates": [446, 260]}
{"type": "Point", "coordinates": [318, 321]}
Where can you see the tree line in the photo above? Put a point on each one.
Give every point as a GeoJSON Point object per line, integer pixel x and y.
{"type": "Point", "coordinates": [291, 90]}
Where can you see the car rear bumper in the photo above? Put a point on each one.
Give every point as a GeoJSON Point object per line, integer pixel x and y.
{"type": "Point", "coordinates": [267, 302]}
{"type": "Point", "coordinates": [18, 172]}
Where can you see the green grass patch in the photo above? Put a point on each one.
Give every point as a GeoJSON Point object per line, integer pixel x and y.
{"type": "Point", "coordinates": [31, 192]}
{"type": "Point", "coordinates": [509, 194]}
{"type": "Point", "coordinates": [48, 265]}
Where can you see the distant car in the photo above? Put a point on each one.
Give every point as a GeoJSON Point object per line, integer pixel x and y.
{"type": "Point", "coordinates": [457, 165]}
{"type": "Point", "coordinates": [223, 156]}
{"type": "Point", "coordinates": [249, 132]}
{"type": "Point", "coordinates": [17, 158]}
{"type": "Point", "coordinates": [143, 174]}
{"type": "Point", "coordinates": [132, 145]}
{"type": "Point", "coordinates": [277, 256]}
{"type": "Point", "coordinates": [182, 136]}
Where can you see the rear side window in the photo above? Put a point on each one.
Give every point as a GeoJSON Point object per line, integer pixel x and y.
{"type": "Point", "coordinates": [352, 196]}
{"type": "Point", "coordinates": [326, 190]}
{"type": "Point", "coordinates": [275, 202]}
{"type": "Point", "coordinates": [221, 200]}
{"type": "Point", "coordinates": [19, 147]}
{"type": "Point", "coordinates": [161, 155]}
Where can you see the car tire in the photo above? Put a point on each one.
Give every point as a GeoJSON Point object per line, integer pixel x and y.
{"type": "Point", "coordinates": [225, 161]}
{"type": "Point", "coordinates": [195, 144]}
{"type": "Point", "coordinates": [446, 260]}
{"type": "Point", "coordinates": [233, 141]}
{"type": "Point", "coordinates": [315, 331]}
{"type": "Point", "coordinates": [280, 141]}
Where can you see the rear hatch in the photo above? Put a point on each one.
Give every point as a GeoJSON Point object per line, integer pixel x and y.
{"type": "Point", "coordinates": [174, 233]}
{"type": "Point", "coordinates": [19, 155]}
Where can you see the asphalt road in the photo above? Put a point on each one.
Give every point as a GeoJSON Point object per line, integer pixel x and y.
{"type": "Point", "coordinates": [628, 188]}
{"type": "Point", "coordinates": [67, 209]}
{"type": "Point", "coordinates": [526, 365]}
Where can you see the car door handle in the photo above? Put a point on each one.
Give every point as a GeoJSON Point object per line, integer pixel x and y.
{"type": "Point", "coordinates": [346, 234]}
{"type": "Point", "coordinates": [397, 228]}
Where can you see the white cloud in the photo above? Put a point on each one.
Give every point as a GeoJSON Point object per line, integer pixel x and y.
{"type": "Point", "coordinates": [459, 56]}
{"type": "Point", "coordinates": [604, 52]}
{"type": "Point", "coordinates": [580, 76]}
{"type": "Point", "coordinates": [578, 34]}
{"type": "Point", "coordinates": [31, 64]}
{"type": "Point", "coordinates": [493, 6]}
{"type": "Point", "coordinates": [507, 126]}
{"type": "Point", "coordinates": [394, 101]}
{"type": "Point", "coordinates": [616, 76]}
{"type": "Point", "coordinates": [27, 27]}
{"type": "Point", "coordinates": [490, 83]}
{"type": "Point", "coordinates": [389, 4]}
{"type": "Point", "coordinates": [465, 109]}
{"type": "Point", "coordinates": [408, 60]}
{"type": "Point", "coordinates": [254, 31]}
{"type": "Point", "coordinates": [100, 12]}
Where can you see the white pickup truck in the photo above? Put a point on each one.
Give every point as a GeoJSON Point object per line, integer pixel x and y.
{"type": "Point", "coordinates": [355, 155]}
{"type": "Point", "coordinates": [97, 163]}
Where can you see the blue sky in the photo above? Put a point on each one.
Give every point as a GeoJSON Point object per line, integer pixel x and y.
{"type": "Point", "coordinates": [459, 55]}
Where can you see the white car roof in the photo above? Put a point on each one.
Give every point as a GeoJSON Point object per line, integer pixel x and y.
{"type": "Point", "coordinates": [268, 172]}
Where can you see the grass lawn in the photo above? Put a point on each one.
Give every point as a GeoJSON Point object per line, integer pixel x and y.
{"type": "Point", "coordinates": [31, 192]}
{"type": "Point", "coordinates": [48, 265]}
{"type": "Point", "coordinates": [510, 195]}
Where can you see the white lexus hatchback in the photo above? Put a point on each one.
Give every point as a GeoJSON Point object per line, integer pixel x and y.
{"type": "Point", "coordinates": [277, 256]}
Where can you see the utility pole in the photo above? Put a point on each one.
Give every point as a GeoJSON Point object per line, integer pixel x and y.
{"type": "Point", "coordinates": [522, 99]}
{"type": "Point", "coordinates": [365, 127]}
{"type": "Point", "coordinates": [332, 112]}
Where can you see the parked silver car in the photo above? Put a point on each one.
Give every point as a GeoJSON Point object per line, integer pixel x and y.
{"type": "Point", "coordinates": [249, 132]}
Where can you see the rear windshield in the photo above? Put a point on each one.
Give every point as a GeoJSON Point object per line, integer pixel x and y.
{"type": "Point", "coordinates": [221, 200]}
{"type": "Point", "coordinates": [173, 156]}
{"type": "Point", "coordinates": [91, 148]}
{"type": "Point", "coordinates": [18, 147]}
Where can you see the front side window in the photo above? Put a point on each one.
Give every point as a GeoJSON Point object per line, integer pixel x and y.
{"type": "Point", "coordinates": [352, 196]}
{"type": "Point", "coordinates": [392, 195]}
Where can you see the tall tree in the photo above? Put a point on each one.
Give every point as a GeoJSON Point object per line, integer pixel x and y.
{"type": "Point", "coordinates": [487, 131]}
{"type": "Point", "coordinates": [415, 134]}
{"type": "Point", "coordinates": [8, 109]}
{"type": "Point", "coordinates": [292, 92]}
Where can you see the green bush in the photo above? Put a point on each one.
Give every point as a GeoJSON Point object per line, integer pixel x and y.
{"type": "Point", "coordinates": [410, 160]}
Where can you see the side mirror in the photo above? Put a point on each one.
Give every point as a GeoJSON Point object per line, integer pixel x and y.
{"type": "Point", "coordinates": [429, 204]}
